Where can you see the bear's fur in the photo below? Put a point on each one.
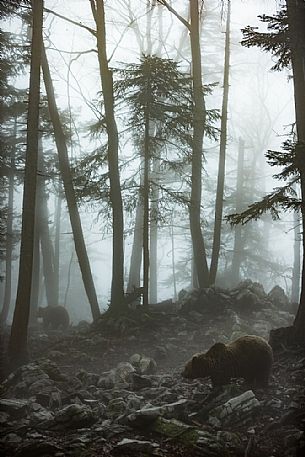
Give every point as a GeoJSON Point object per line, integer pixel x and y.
{"type": "Point", "coordinates": [54, 317]}
{"type": "Point", "coordinates": [249, 357]}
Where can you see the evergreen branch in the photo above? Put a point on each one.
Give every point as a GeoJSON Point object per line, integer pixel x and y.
{"type": "Point", "coordinates": [282, 198]}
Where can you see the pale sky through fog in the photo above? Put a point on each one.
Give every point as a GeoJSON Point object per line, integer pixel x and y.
{"type": "Point", "coordinates": [244, 65]}
{"type": "Point", "coordinates": [250, 78]}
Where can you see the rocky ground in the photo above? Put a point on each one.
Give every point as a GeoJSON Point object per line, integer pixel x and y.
{"type": "Point", "coordinates": [115, 389]}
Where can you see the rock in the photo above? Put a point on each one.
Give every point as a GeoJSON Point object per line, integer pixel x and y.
{"type": "Point", "coordinates": [247, 300]}
{"type": "Point", "coordinates": [148, 415]}
{"type": "Point", "coordinates": [75, 416]}
{"type": "Point", "coordinates": [122, 373]}
{"type": "Point", "coordinates": [32, 373]}
{"type": "Point", "coordinates": [281, 337]}
{"type": "Point", "coordinates": [143, 417]}
{"type": "Point", "coordinates": [116, 407]}
{"type": "Point", "coordinates": [14, 407]}
{"type": "Point", "coordinates": [137, 445]}
{"type": "Point", "coordinates": [40, 416]}
{"type": "Point", "coordinates": [278, 298]}
{"type": "Point", "coordinates": [88, 379]}
{"type": "Point", "coordinates": [143, 364]}
{"type": "Point", "coordinates": [240, 405]}
{"type": "Point", "coordinates": [12, 438]}
{"type": "Point", "coordinates": [134, 402]}
{"type": "Point", "coordinates": [140, 382]}
{"type": "Point", "coordinates": [41, 386]}
{"type": "Point", "coordinates": [39, 449]}
{"type": "Point", "coordinates": [107, 382]}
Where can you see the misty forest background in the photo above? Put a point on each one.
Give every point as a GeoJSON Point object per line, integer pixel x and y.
{"type": "Point", "coordinates": [147, 147]}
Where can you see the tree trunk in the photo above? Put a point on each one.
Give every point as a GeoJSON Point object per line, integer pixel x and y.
{"type": "Point", "coordinates": [36, 276]}
{"type": "Point", "coordinates": [296, 271]}
{"type": "Point", "coordinates": [296, 21]}
{"type": "Point", "coordinates": [136, 254]}
{"type": "Point", "coordinates": [57, 244]}
{"type": "Point", "coordinates": [172, 235]}
{"type": "Point", "coordinates": [222, 156]}
{"type": "Point", "coordinates": [66, 175]}
{"type": "Point", "coordinates": [44, 232]}
{"type": "Point", "coordinates": [117, 286]}
{"type": "Point", "coordinates": [199, 118]}
{"type": "Point", "coordinates": [146, 201]}
{"type": "Point", "coordinates": [238, 244]}
{"type": "Point", "coordinates": [18, 352]}
{"type": "Point", "coordinates": [9, 235]}
{"type": "Point", "coordinates": [155, 194]}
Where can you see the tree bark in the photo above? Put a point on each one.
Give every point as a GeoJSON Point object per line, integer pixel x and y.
{"type": "Point", "coordinates": [296, 271]}
{"type": "Point", "coordinates": [172, 235]}
{"type": "Point", "coordinates": [238, 245]}
{"type": "Point", "coordinates": [66, 175]}
{"type": "Point", "coordinates": [146, 201]}
{"type": "Point", "coordinates": [36, 276]}
{"type": "Point", "coordinates": [296, 21]}
{"type": "Point", "coordinates": [222, 156]}
{"type": "Point", "coordinates": [155, 194]}
{"type": "Point", "coordinates": [134, 278]}
{"type": "Point", "coordinates": [44, 232]}
{"type": "Point", "coordinates": [117, 286]}
{"type": "Point", "coordinates": [199, 119]}
{"type": "Point", "coordinates": [57, 244]}
{"type": "Point", "coordinates": [18, 352]}
{"type": "Point", "coordinates": [9, 235]}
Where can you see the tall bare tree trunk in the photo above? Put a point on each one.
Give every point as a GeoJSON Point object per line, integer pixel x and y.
{"type": "Point", "coordinates": [43, 230]}
{"type": "Point", "coordinates": [9, 234]}
{"type": "Point", "coordinates": [66, 175]}
{"type": "Point", "coordinates": [296, 271]}
{"type": "Point", "coordinates": [222, 155]}
{"type": "Point", "coordinates": [238, 244]}
{"type": "Point", "coordinates": [155, 195]}
{"type": "Point", "coordinates": [136, 254]}
{"type": "Point", "coordinates": [199, 119]}
{"type": "Point", "coordinates": [57, 244]}
{"type": "Point", "coordinates": [146, 209]}
{"type": "Point", "coordinates": [36, 276]}
{"type": "Point", "coordinates": [296, 21]}
{"type": "Point", "coordinates": [117, 286]}
{"type": "Point", "coordinates": [172, 235]}
{"type": "Point", "coordinates": [18, 352]}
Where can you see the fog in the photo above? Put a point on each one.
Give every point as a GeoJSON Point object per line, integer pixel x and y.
{"type": "Point", "coordinates": [260, 112]}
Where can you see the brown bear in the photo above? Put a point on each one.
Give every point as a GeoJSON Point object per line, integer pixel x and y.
{"type": "Point", "coordinates": [54, 317]}
{"type": "Point", "coordinates": [249, 357]}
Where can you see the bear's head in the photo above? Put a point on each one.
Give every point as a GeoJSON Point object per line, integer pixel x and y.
{"type": "Point", "coordinates": [197, 367]}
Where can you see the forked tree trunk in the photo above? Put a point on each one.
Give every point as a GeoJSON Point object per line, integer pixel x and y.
{"type": "Point", "coordinates": [18, 352]}
{"type": "Point", "coordinates": [222, 156]}
{"type": "Point", "coordinates": [66, 175]}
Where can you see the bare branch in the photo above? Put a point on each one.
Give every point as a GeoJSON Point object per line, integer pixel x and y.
{"type": "Point", "coordinates": [174, 12]}
{"type": "Point", "coordinates": [78, 24]}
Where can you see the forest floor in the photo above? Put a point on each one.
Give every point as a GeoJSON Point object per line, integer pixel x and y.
{"type": "Point", "coordinates": [116, 390]}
